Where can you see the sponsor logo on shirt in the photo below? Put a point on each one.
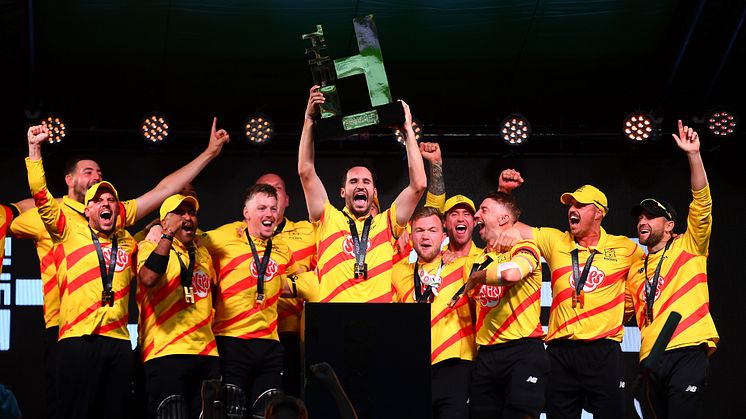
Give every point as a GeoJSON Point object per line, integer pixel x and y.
{"type": "Point", "coordinates": [595, 278]}
{"type": "Point", "coordinates": [123, 258]}
{"type": "Point", "coordinates": [349, 247]}
{"type": "Point", "coordinates": [489, 295]}
{"type": "Point", "coordinates": [201, 283]}
{"type": "Point", "coordinates": [658, 289]}
{"type": "Point", "coordinates": [272, 269]}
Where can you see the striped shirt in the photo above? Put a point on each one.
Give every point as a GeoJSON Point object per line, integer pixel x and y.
{"type": "Point", "coordinates": [507, 313]}
{"type": "Point", "coordinates": [336, 256]}
{"type": "Point", "coordinates": [237, 313]}
{"type": "Point", "coordinates": [7, 213]}
{"type": "Point", "coordinates": [451, 330]}
{"type": "Point", "coordinates": [682, 285]}
{"type": "Point", "coordinates": [301, 238]}
{"type": "Point", "coordinates": [78, 272]}
{"type": "Point", "coordinates": [168, 325]}
{"type": "Point", "coordinates": [603, 310]}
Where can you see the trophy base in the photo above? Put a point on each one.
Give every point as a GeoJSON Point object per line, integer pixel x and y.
{"type": "Point", "coordinates": [342, 126]}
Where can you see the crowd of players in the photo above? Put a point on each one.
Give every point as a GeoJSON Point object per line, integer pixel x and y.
{"type": "Point", "coordinates": [226, 304]}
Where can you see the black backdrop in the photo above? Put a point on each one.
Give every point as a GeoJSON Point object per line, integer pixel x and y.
{"type": "Point", "coordinates": [626, 177]}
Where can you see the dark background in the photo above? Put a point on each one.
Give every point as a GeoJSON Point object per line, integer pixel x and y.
{"type": "Point", "coordinates": [574, 68]}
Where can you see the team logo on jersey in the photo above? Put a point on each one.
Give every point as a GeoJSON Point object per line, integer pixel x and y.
{"type": "Point", "coordinates": [272, 269]}
{"type": "Point", "coordinates": [489, 295]}
{"type": "Point", "coordinates": [123, 258]}
{"type": "Point", "coordinates": [658, 290]}
{"type": "Point", "coordinates": [349, 247]}
{"type": "Point", "coordinates": [200, 283]}
{"type": "Point", "coordinates": [595, 278]}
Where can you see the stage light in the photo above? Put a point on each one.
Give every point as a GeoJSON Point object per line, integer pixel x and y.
{"type": "Point", "coordinates": [416, 127]}
{"type": "Point", "coordinates": [721, 123]}
{"type": "Point", "coordinates": [259, 129]}
{"type": "Point", "coordinates": [56, 127]}
{"type": "Point", "coordinates": [515, 129]}
{"type": "Point", "coordinates": [155, 127]}
{"type": "Point", "coordinates": [639, 126]}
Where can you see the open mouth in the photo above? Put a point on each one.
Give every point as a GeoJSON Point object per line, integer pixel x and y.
{"type": "Point", "coordinates": [574, 219]}
{"type": "Point", "coordinates": [187, 228]}
{"type": "Point", "coordinates": [478, 224]}
{"type": "Point", "coordinates": [461, 228]}
{"type": "Point", "coordinates": [360, 197]}
{"type": "Point", "coordinates": [644, 230]}
{"type": "Point", "coordinates": [267, 223]}
{"type": "Point", "coordinates": [106, 214]}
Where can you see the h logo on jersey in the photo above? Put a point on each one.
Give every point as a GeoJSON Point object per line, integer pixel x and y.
{"type": "Point", "coordinates": [200, 283]}
{"type": "Point", "coordinates": [658, 290]}
{"type": "Point", "coordinates": [272, 269]}
{"type": "Point", "coordinates": [595, 278]}
{"type": "Point", "coordinates": [123, 258]}
{"type": "Point", "coordinates": [349, 247]}
{"type": "Point", "coordinates": [489, 295]}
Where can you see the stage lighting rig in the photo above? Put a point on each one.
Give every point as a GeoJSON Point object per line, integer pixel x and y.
{"type": "Point", "coordinates": [259, 129]}
{"type": "Point", "coordinates": [155, 127]}
{"type": "Point", "coordinates": [640, 126]}
{"type": "Point", "coordinates": [515, 129]}
{"type": "Point", "coordinates": [56, 127]}
{"type": "Point", "coordinates": [416, 127]}
{"type": "Point", "coordinates": [721, 123]}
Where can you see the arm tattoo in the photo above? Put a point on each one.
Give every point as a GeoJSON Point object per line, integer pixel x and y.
{"type": "Point", "coordinates": [436, 185]}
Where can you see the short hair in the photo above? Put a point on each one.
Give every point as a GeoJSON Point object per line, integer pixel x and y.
{"type": "Point", "coordinates": [72, 163]}
{"type": "Point", "coordinates": [424, 212]}
{"type": "Point", "coordinates": [359, 164]}
{"type": "Point", "coordinates": [284, 403]}
{"type": "Point", "coordinates": [508, 201]}
{"type": "Point", "coordinates": [259, 188]}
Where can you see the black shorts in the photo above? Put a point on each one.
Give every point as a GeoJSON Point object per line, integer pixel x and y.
{"type": "Point", "coordinates": [254, 365]}
{"type": "Point", "coordinates": [678, 382]}
{"type": "Point", "coordinates": [509, 380]}
{"type": "Point", "coordinates": [179, 375]}
{"type": "Point", "coordinates": [585, 374]}
{"type": "Point", "coordinates": [450, 388]}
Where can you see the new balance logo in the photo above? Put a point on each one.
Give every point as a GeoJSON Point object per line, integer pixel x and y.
{"type": "Point", "coordinates": [691, 389]}
{"type": "Point", "coordinates": [532, 379]}
{"type": "Point", "coordinates": [622, 384]}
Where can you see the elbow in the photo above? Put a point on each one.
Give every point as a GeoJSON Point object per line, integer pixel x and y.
{"type": "Point", "coordinates": [511, 276]}
{"type": "Point", "coordinates": [147, 280]}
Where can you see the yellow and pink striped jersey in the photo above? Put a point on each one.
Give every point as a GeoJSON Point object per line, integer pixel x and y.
{"type": "Point", "coordinates": [602, 313]}
{"type": "Point", "coordinates": [28, 225]}
{"type": "Point", "coordinates": [682, 285]}
{"type": "Point", "coordinates": [236, 311]}
{"type": "Point", "coordinates": [507, 313]}
{"type": "Point", "coordinates": [301, 238]}
{"type": "Point", "coordinates": [336, 257]}
{"type": "Point", "coordinates": [451, 330]}
{"type": "Point", "coordinates": [7, 213]}
{"type": "Point", "coordinates": [78, 273]}
{"type": "Point", "coordinates": [169, 325]}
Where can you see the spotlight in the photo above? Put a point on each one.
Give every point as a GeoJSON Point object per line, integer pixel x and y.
{"type": "Point", "coordinates": [56, 127]}
{"type": "Point", "coordinates": [155, 127]}
{"type": "Point", "coordinates": [721, 123]}
{"type": "Point", "coordinates": [259, 129]}
{"type": "Point", "coordinates": [639, 126]}
{"type": "Point", "coordinates": [416, 127]}
{"type": "Point", "coordinates": [515, 129]}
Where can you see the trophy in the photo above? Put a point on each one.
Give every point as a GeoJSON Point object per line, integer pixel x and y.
{"type": "Point", "coordinates": [381, 111]}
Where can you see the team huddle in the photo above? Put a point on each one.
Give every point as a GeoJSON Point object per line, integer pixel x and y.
{"type": "Point", "coordinates": [226, 304]}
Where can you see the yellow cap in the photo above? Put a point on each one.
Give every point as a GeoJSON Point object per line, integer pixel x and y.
{"type": "Point", "coordinates": [587, 194]}
{"type": "Point", "coordinates": [459, 200]}
{"type": "Point", "coordinates": [173, 202]}
{"type": "Point", "coordinates": [94, 189]}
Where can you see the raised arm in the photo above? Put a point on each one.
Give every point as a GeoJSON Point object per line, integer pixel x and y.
{"type": "Point", "coordinates": [436, 186]}
{"type": "Point", "coordinates": [151, 271]}
{"type": "Point", "coordinates": [688, 141]}
{"type": "Point", "coordinates": [313, 189]}
{"type": "Point", "coordinates": [49, 209]}
{"type": "Point", "coordinates": [174, 182]}
{"type": "Point", "coordinates": [407, 200]}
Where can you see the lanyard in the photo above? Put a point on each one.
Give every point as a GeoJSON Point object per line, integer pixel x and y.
{"type": "Point", "coordinates": [107, 277]}
{"type": "Point", "coordinates": [279, 227]}
{"type": "Point", "coordinates": [360, 244]}
{"type": "Point", "coordinates": [431, 289]}
{"type": "Point", "coordinates": [651, 285]}
{"type": "Point", "coordinates": [261, 267]}
{"type": "Point", "coordinates": [474, 268]}
{"type": "Point", "coordinates": [186, 274]}
{"type": "Point", "coordinates": [580, 278]}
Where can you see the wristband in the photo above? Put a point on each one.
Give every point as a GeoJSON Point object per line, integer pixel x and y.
{"type": "Point", "coordinates": [157, 263]}
{"type": "Point", "coordinates": [167, 237]}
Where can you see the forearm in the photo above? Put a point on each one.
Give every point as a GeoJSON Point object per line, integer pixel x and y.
{"type": "Point", "coordinates": [155, 266]}
{"type": "Point", "coordinates": [313, 188]}
{"type": "Point", "coordinates": [417, 176]}
{"type": "Point", "coordinates": [697, 169]}
{"type": "Point", "coordinates": [436, 184]}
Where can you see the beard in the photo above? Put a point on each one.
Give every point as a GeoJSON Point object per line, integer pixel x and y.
{"type": "Point", "coordinates": [654, 237]}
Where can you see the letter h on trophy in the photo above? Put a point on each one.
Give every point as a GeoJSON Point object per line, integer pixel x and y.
{"type": "Point", "coordinates": [381, 111]}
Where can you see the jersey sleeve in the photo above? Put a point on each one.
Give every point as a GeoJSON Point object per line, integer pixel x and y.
{"type": "Point", "coordinates": [396, 229]}
{"type": "Point", "coordinates": [699, 222]}
{"type": "Point", "coordinates": [144, 249]}
{"type": "Point", "coordinates": [28, 225]}
{"type": "Point", "coordinates": [307, 286]}
{"type": "Point", "coordinates": [127, 213]}
{"type": "Point", "coordinates": [435, 201]}
{"type": "Point", "coordinates": [544, 237]}
{"type": "Point", "coordinates": [49, 209]}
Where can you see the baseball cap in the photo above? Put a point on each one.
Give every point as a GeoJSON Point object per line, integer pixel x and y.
{"type": "Point", "coordinates": [656, 208]}
{"type": "Point", "coordinates": [459, 200]}
{"type": "Point", "coordinates": [94, 189]}
{"type": "Point", "coordinates": [173, 202]}
{"type": "Point", "coordinates": [587, 194]}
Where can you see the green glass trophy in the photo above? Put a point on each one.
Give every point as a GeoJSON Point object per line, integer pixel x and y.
{"type": "Point", "coordinates": [378, 109]}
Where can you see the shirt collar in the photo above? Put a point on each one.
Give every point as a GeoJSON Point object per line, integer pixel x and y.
{"type": "Point", "coordinates": [75, 205]}
{"type": "Point", "coordinates": [600, 246]}
{"type": "Point", "coordinates": [349, 214]}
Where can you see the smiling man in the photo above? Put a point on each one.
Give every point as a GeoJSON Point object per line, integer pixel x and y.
{"type": "Point", "coordinates": [94, 269]}
{"type": "Point", "coordinates": [251, 276]}
{"type": "Point", "coordinates": [673, 277]}
{"type": "Point", "coordinates": [354, 248]}
{"type": "Point", "coordinates": [588, 270]}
